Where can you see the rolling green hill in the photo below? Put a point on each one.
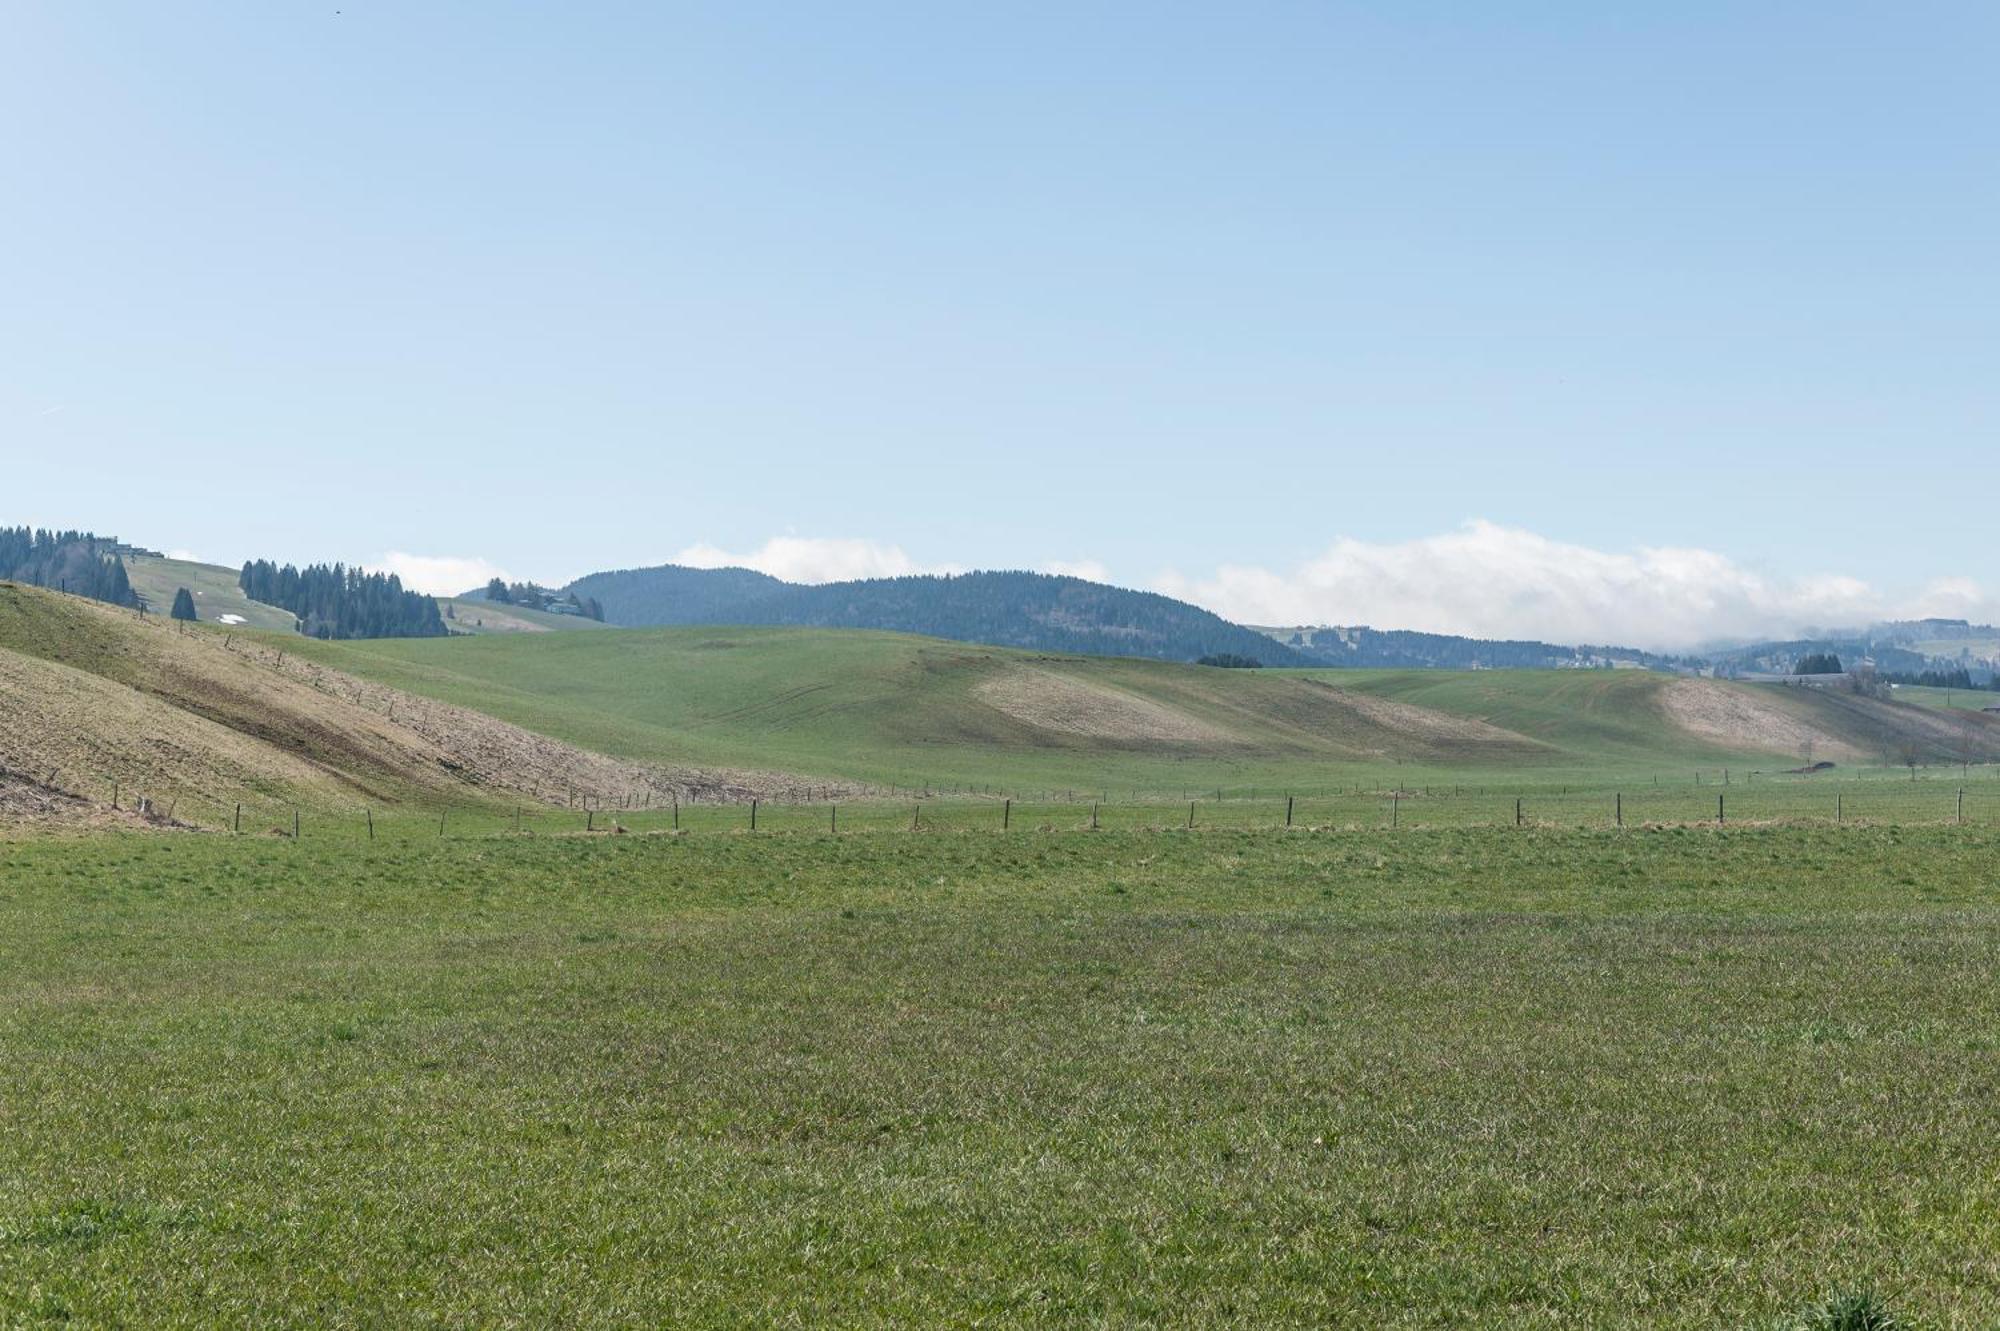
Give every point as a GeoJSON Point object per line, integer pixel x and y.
{"type": "Point", "coordinates": [889, 708]}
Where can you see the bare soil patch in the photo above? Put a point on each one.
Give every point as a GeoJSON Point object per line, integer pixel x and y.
{"type": "Point", "coordinates": [1054, 701]}
{"type": "Point", "coordinates": [1740, 717]}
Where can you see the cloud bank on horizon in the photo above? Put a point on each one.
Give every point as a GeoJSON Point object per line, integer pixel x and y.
{"type": "Point", "coordinates": [1489, 581]}
{"type": "Point", "coordinates": [1482, 580]}
{"type": "Point", "coordinates": [438, 575]}
{"type": "Point", "coordinates": [811, 559]}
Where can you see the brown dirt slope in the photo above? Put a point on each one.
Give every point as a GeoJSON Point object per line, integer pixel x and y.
{"type": "Point", "coordinates": [1831, 724]}
{"type": "Point", "coordinates": [1170, 708]}
{"type": "Point", "coordinates": [91, 695]}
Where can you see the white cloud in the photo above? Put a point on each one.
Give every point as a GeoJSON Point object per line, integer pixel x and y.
{"type": "Point", "coordinates": [812, 559]}
{"type": "Point", "coordinates": [186, 556]}
{"type": "Point", "coordinates": [1490, 581]}
{"type": "Point", "coordinates": [438, 575]}
{"type": "Point", "coordinates": [1087, 569]}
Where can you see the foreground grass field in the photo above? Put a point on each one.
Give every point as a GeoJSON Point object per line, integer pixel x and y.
{"type": "Point", "coordinates": [1445, 1077]}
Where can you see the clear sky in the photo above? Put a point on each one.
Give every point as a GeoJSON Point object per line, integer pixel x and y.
{"type": "Point", "coordinates": [1628, 320]}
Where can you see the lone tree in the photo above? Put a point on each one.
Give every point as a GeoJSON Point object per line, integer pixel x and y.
{"type": "Point", "coordinates": [184, 605]}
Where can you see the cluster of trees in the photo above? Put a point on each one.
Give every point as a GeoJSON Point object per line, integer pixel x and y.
{"type": "Point", "coordinates": [1818, 663]}
{"type": "Point", "coordinates": [1952, 677]}
{"type": "Point", "coordinates": [333, 601]}
{"type": "Point", "coordinates": [69, 561]}
{"type": "Point", "coordinates": [534, 596]}
{"type": "Point", "coordinates": [1230, 661]}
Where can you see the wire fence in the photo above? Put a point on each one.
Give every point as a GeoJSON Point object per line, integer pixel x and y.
{"type": "Point", "coordinates": [1972, 798]}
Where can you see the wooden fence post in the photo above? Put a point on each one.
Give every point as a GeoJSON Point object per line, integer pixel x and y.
{"type": "Point", "coordinates": [1517, 813]}
{"type": "Point", "coordinates": [1006, 814]}
{"type": "Point", "coordinates": [237, 827]}
{"type": "Point", "coordinates": [1620, 809]}
{"type": "Point", "coordinates": [1288, 811]}
{"type": "Point", "coordinates": [371, 823]}
{"type": "Point", "coordinates": [753, 815]}
{"type": "Point", "coordinates": [1190, 813]}
{"type": "Point", "coordinates": [295, 822]}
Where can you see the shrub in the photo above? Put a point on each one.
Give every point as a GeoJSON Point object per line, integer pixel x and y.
{"type": "Point", "coordinates": [1857, 1310]}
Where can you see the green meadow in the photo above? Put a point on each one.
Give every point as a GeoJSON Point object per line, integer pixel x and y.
{"type": "Point", "coordinates": [891, 710]}
{"type": "Point", "coordinates": [1413, 1078]}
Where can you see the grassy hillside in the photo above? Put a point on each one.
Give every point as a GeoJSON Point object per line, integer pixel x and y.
{"type": "Point", "coordinates": [213, 587]}
{"type": "Point", "coordinates": [100, 703]}
{"type": "Point", "coordinates": [1968, 699]}
{"type": "Point", "coordinates": [891, 708]}
{"type": "Point", "coordinates": [475, 617]}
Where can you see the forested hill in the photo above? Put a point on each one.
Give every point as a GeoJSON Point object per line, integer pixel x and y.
{"type": "Point", "coordinates": [1036, 611]}
{"type": "Point", "coordinates": [670, 594]}
{"type": "Point", "coordinates": [68, 561]}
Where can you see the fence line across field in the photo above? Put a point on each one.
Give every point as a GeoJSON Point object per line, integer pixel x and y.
{"type": "Point", "coordinates": [1856, 801]}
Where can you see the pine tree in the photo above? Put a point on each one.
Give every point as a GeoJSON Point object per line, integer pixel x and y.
{"type": "Point", "coordinates": [184, 604]}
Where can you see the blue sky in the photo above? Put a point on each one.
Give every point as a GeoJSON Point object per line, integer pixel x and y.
{"type": "Point", "coordinates": [1586, 319]}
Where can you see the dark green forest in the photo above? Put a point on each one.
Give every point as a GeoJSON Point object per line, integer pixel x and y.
{"type": "Point", "coordinates": [68, 561]}
{"type": "Point", "coordinates": [333, 601]}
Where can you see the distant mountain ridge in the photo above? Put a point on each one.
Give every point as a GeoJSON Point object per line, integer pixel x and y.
{"type": "Point", "coordinates": [1035, 611]}
{"type": "Point", "coordinates": [1362, 647]}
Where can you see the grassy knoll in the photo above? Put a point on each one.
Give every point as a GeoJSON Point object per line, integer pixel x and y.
{"type": "Point", "coordinates": [471, 616]}
{"type": "Point", "coordinates": [1955, 699]}
{"type": "Point", "coordinates": [1443, 1077]}
{"type": "Point", "coordinates": [889, 708]}
{"type": "Point", "coordinates": [213, 587]}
